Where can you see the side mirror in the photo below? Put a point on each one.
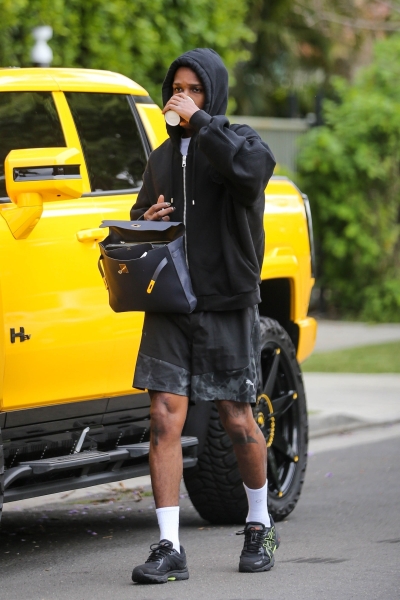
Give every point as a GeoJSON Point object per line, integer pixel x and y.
{"type": "Point", "coordinates": [35, 176]}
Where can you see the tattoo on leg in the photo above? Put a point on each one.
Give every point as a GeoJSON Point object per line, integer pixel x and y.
{"type": "Point", "coordinates": [240, 440]}
{"type": "Point", "coordinates": [234, 409]}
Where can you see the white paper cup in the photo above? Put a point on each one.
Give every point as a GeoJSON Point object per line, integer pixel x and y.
{"type": "Point", "coordinates": [172, 118]}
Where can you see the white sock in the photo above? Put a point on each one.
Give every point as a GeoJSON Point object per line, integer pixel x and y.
{"type": "Point", "coordinates": [168, 522]}
{"type": "Point", "coordinates": [258, 505]}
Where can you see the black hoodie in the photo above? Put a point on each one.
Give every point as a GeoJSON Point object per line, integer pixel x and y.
{"type": "Point", "coordinates": [227, 169]}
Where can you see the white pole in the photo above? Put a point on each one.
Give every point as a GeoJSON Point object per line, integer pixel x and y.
{"type": "Point", "coordinates": [41, 53]}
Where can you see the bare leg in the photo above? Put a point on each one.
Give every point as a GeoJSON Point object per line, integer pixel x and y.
{"type": "Point", "coordinates": [248, 441]}
{"type": "Point", "coordinates": [168, 414]}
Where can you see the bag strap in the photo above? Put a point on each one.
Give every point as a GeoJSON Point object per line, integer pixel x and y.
{"type": "Point", "coordinates": [102, 272]}
{"type": "Point", "coordinates": [156, 273]}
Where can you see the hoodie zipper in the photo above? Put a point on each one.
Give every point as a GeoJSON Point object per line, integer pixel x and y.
{"type": "Point", "coordinates": [184, 205]}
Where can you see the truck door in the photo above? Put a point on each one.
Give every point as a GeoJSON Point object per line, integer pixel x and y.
{"type": "Point", "coordinates": [52, 297]}
{"type": "Point", "coordinates": [115, 149]}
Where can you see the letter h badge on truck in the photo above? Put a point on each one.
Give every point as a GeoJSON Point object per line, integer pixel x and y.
{"type": "Point", "coordinates": [21, 335]}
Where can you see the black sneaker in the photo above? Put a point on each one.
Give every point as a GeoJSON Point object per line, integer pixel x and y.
{"type": "Point", "coordinates": [164, 564]}
{"type": "Point", "coordinates": [260, 543]}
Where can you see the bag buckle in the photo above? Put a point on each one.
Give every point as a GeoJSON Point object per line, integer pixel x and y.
{"type": "Point", "coordinates": [151, 285]}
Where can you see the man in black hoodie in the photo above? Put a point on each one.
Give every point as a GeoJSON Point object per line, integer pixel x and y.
{"type": "Point", "coordinates": [211, 175]}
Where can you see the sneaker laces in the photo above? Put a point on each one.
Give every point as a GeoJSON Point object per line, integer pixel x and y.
{"type": "Point", "coordinates": [158, 551]}
{"type": "Point", "coordinates": [253, 540]}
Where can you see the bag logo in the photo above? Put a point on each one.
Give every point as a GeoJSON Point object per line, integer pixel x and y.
{"type": "Point", "coordinates": [123, 269]}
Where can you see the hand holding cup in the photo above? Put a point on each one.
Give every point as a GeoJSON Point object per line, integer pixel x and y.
{"type": "Point", "coordinates": [179, 107]}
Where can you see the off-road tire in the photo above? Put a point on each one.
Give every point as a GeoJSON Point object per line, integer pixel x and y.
{"type": "Point", "coordinates": [214, 484]}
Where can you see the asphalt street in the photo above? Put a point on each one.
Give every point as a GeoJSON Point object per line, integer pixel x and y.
{"type": "Point", "coordinates": [341, 542]}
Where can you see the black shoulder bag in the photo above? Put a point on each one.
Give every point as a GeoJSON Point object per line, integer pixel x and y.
{"type": "Point", "coordinates": [145, 267]}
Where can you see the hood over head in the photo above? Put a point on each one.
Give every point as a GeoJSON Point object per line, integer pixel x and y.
{"type": "Point", "coordinates": [208, 65]}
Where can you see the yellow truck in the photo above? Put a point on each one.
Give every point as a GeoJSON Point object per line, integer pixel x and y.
{"type": "Point", "coordinates": [73, 148]}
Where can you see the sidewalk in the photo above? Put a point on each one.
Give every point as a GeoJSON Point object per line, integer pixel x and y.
{"type": "Point", "coordinates": [335, 335]}
{"type": "Point", "coordinates": [343, 401]}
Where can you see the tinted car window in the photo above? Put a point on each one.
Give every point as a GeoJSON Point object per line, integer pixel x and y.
{"type": "Point", "coordinates": [27, 120]}
{"type": "Point", "coordinates": [110, 140]}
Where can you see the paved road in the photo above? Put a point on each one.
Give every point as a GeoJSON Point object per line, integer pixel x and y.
{"type": "Point", "coordinates": [341, 542]}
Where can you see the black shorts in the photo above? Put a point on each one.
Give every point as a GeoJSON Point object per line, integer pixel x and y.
{"type": "Point", "coordinates": [204, 355]}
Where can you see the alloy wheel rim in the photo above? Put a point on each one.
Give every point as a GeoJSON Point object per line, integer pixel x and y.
{"type": "Point", "coordinates": [277, 415]}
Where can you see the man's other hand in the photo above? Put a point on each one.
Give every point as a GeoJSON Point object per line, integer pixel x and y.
{"type": "Point", "coordinates": [159, 211]}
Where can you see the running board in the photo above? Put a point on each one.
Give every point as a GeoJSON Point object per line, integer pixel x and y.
{"type": "Point", "coordinates": [87, 458]}
{"type": "Point", "coordinates": [143, 449]}
{"type": "Point", "coordinates": [12, 494]}
{"type": "Point", "coordinates": [70, 461]}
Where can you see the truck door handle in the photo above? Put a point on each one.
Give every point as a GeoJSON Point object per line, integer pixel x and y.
{"type": "Point", "coordinates": [91, 235]}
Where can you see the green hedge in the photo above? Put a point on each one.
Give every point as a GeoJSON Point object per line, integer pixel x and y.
{"type": "Point", "coordinates": [138, 38]}
{"type": "Point", "coordinates": [350, 168]}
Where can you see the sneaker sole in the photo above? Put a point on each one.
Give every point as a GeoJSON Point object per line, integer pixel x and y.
{"type": "Point", "coordinates": [249, 569]}
{"type": "Point", "coordinates": [141, 577]}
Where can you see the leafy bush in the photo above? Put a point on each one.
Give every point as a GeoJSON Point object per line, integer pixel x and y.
{"type": "Point", "coordinates": [350, 169]}
{"type": "Point", "coordinates": [139, 39]}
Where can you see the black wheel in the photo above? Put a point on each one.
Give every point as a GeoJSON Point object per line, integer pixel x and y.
{"type": "Point", "coordinates": [214, 485]}
{"type": "Point", "coordinates": [281, 413]}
